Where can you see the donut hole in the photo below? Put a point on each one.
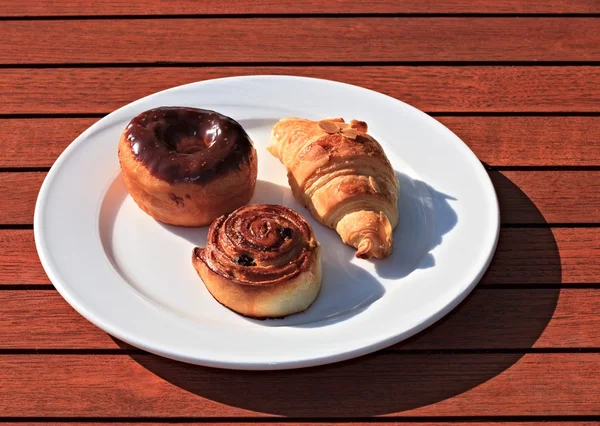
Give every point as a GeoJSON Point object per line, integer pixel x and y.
{"type": "Point", "coordinates": [182, 137]}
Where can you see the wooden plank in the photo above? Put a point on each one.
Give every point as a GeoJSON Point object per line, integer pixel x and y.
{"type": "Point", "coordinates": [388, 384]}
{"type": "Point", "coordinates": [234, 7]}
{"type": "Point", "coordinates": [281, 40]}
{"type": "Point", "coordinates": [525, 196]}
{"type": "Point", "coordinates": [42, 319]}
{"type": "Point", "coordinates": [524, 256]}
{"type": "Point", "coordinates": [548, 196]}
{"type": "Point", "coordinates": [19, 262]}
{"type": "Point", "coordinates": [433, 89]}
{"type": "Point", "coordinates": [18, 192]}
{"type": "Point", "coordinates": [497, 141]}
{"type": "Point", "coordinates": [530, 141]}
{"type": "Point", "coordinates": [489, 319]}
{"type": "Point", "coordinates": [509, 319]}
{"type": "Point", "coordinates": [546, 255]}
{"type": "Point", "coordinates": [38, 142]}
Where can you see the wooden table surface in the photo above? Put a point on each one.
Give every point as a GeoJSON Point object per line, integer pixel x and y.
{"type": "Point", "coordinates": [517, 80]}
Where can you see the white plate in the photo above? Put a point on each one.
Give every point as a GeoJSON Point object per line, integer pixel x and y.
{"type": "Point", "coordinates": [133, 277]}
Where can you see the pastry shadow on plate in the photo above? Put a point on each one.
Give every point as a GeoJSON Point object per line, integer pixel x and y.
{"type": "Point", "coordinates": [482, 338]}
{"type": "Point", "coordinates": [258, 123]}
{"type": "Point", "coordinates": [346, 289]}
{"type": "Point", "coordinates": [425, 216]}
{"type": "Point", "coordinates": [349, 285]}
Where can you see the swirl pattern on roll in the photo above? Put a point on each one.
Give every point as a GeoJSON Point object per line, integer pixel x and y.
{"type": "Point", "coordinates": [259, 245]}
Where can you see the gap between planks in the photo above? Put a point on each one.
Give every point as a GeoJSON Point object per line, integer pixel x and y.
{"type": "Point", "coordinates": [309, 64]}
{"type": "Point", "coordinates": [574, 420]}
{"type": "Point", "coordinates": [115, 8]}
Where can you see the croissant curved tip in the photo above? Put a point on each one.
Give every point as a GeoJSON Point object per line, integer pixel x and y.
{"type": "Point", "coordinates": [378, 244]}
{"type": "Point", "coordinates": [363, 249]}
{"type": "Point", "coordinates": [368, 249]}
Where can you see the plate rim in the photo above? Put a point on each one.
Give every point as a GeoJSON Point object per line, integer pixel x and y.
{"type": "Point", "coordinates": [44, 254]}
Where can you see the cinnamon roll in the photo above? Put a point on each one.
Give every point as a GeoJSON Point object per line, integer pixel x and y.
{"type": "Point", "coordinates": [261, 261]}
{"type": "Point", "coordinates": [187, 166]}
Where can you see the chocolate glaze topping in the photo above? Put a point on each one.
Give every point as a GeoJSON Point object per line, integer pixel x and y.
{"type": "Point", "coordinates": [182, 144]}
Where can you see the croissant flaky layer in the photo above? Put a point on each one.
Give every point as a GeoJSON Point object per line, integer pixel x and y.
{"type": "Point", "coordinates": [343, 176]}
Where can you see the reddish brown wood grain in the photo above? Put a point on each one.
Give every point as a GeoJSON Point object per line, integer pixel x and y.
{"type": "Point", "coordinates": [18, 192]}
{"type": "Point", "coordinates": [38, 142]}
{"type": "Point", "coordinates": [209, 7]}
{"type": "Point", "coordinates": [300, 40]}
{"type": "Point", "coordinates": [507, 321]}
{"type": "Point", "coordinates": [538, 256]}
{"type": "Point", "coordinates": [548, 196]}
{"type": "Point", "coordinates": [525, 196]}
{"type": "Point", "coordinates": [524, 318]}
{"type": "Point", "coordinates": [390, 384]}
{"type": "Point", "coordinates": [530, 141]}
{"type": "Point", "coordinates": [524, 256]}
{"type": "Point", "coordinates": [498, 141]}
{"type": "Point", "coordinates": [433, 89]}
{"type": "Point", "coordinates": [488, 319]}
{"type": "Point", "coordinates": [19, 262]}
{"type": "Point", "coordinates": [42, 319]}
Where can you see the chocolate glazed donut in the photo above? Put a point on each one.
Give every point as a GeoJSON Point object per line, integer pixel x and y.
{"type": "Point", "coordinates": [261, 261]}
{"type": "Point", "coordinates": [187, 166]}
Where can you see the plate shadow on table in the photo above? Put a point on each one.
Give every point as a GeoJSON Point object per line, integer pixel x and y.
{"type": "Point", "coordinates": [487, 334]}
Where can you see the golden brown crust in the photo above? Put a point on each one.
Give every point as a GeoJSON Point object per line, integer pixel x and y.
{"type": "Point", "coordinates": [261, 261]}
{"type": "Point", "coordinates": [343, 176]}
{"type": "Point", "coordinates": [186, 203]}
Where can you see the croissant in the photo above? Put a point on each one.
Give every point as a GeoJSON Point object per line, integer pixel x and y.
{"type": "Point", "coordinates": [344, 178]}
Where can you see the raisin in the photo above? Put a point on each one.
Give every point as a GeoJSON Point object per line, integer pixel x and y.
{"type": "Point", "coordinates": [245, 260]}
{"type": "Point", "coordinates": [286, 233]}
